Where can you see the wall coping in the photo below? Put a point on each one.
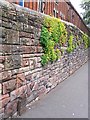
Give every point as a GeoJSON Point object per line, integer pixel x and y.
{"type": "Point", "coordinates": [18, 8]}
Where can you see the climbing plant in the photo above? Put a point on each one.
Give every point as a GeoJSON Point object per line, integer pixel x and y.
{"type": "Point", "coordinates": [54, 36]}
{"type": "Point", "coordinates": [86, 40]}
{"type": "Point", "coordinates": [71, 45]}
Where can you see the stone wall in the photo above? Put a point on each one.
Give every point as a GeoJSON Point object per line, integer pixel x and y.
{"type": "Point", "coordinates": [22, 77]}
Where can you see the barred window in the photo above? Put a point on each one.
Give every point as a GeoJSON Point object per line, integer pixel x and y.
{"type": "Point", "coordinates": [41, 6]}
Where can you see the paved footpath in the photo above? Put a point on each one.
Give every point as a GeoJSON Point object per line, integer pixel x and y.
{"type": "Point", "coordinates": [68, 100]}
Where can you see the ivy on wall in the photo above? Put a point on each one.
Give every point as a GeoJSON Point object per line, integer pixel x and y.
{"type": "Point", "coordinates": [54, 36]}
{"type": "Point", "coordinates": [86, 40]}
{"type": "Point", "coordinates": [71, 45]}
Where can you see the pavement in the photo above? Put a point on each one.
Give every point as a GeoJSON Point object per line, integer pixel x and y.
{"type": "Point", "coordinates": [68, 100]}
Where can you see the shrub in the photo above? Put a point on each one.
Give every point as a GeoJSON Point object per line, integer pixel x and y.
{"type": "Point", "coordinates": [71, 46]}
{"type": "Point", "coordinates": [54, 36]}
{"type": "Point", "coordinates": [53, 33]}
{"type": "Point", "coordinates": [86, 40]}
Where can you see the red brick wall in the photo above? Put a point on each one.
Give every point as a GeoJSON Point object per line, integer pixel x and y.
{"type": "Point", "coordinates": [63, 7]}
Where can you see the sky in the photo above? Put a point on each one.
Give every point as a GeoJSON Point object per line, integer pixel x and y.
{"type": "Point", "coordinates": [76, 4]}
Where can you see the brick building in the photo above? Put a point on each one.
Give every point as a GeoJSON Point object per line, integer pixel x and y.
{"type": "Point", "coordinates": [62, 9]}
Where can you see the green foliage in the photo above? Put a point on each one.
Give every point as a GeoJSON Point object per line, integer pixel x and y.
{"type": "Point", "coordinates": [45, 35]}
{"type": "Point", "coordinates": [76, 45]}
{"type": "Point", "coordinates": [58, 54]}
{"type": "Point", "coordinates": [86, 40]}
{"type": "Point", "coordinates": [54, 36]}
{"type": "Point", "coordinates": [63, 37]}
{"type": "Point", "coordinates": [62, 51]}
{"type": "Point", "coordinates": [71, 46]}
{"type": "Point", "coordinates": [53, 33]}
{"type": "Point", "coordinates": [44, 59]}
{"type": "Point", "coordinates": [56, 28]}
{"type": "Point", "coordinates": [78, 42]}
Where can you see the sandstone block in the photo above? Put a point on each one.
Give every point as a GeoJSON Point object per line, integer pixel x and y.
{"type": "Point", "coordinates": [9, 86]}
{"type": "Point", "coordinates": [39, 49]}
{"type": "Point", "coordinates": [4, 102]}
{"type": "Point", "coordinates": [42, 90]}
{"type": "Point", "coordinates": [20, 80]}
{"type": "Point", "coordinates": [11, 108]}
{"type": "Point", "coordinates": [5, 23]}
{"type": "Point", "coordinates": [35, 87]}
{"type": "Point", "coordinates": [33, 96]}
{"type": "Point", "coordinates": [28, 77]}
{"type": "Point", "coordinates": [4, 96]}
{"type": "Point", "coordinates": [13, 37]}
{"type": "Point", "coordinates": [25, 62]}
{"type": "Point", "coordinates": [32, 63]}
{"type": "Point", "coordinates": [28, 89]}
{"type": "Point", "coordinates": [24, 34]}
{"type": "Point", "coordinates": [1, 110]}
{"type": "Point", "coordinates": [16, 61]}
{"type": "Point", "coordinates": [5, 75]}
{"type": "Point", "coordinates": [4, 13]}
{"type": "Point", "coordinates": [1, 115]}
{"type": "Point", "coordinates": [1, 67]}
{"type": "Point", "coordinates": [15, 49]}
{"type": "Point", "coordinates": [18, 92]}
{"type": "Point", "coordinates": [12, 15]}
{"type": "Point", "coordinates": [6, 49]}
{"type": "Point", "coordinates": [35, 76]}
{"type": "Point", "coordinates": [28, 49]}
{"type": "Point", "coordinates": [2, 59]}
{"type": "Point", "coordinates": [0, 89]}
{"type": "Point", "coordinates": [20, 26]}
{"type": "Point", "coordinates": [25, 41]}
{"type": "Point", "coordinates": [8, 62]}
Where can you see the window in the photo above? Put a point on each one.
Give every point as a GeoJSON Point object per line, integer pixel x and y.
{"type": "Point", "coordinates": [55, 12]}
{"type": "Point", "coordinates": [41, 6]}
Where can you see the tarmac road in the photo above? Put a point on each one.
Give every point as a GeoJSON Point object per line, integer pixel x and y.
{"type": "Point", "coordinates": [68, 100]}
